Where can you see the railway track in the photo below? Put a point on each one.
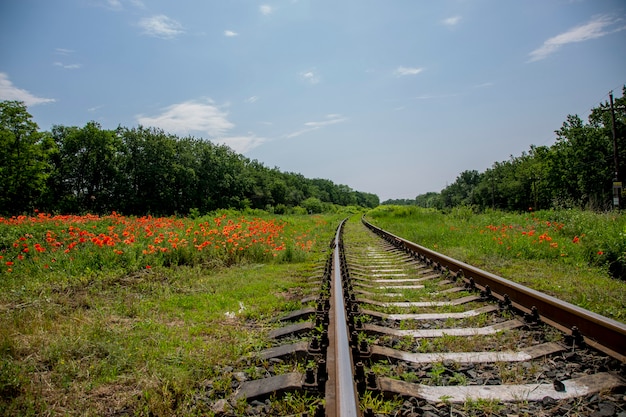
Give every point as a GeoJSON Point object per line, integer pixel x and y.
{"type": "Point", "coordinates": [396, 329]}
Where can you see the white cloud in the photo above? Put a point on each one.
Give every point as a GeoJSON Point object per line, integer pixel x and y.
{"type": "Point", "coordinates": [331, 119]}
{"type": "Point", "coordinates": [310, 77]}
{"type": "Point", "coordinates": [118, 5]}
{"type": "Point", "coordinates": [434, 96]}
{"type": "Point", "coordinates": [64, 51]}
{"type": "Point", "coordinates": [115, 4]}
{"type": "Point", "coordinates": [230, 33]}
{"type": "Point", "coordinates": [9, 92]}
{"type": "Point", "coordinates": [202, 118]}
{"type": "Point", "coordinates": [595, 28]}
{"type": "Point", "coordinates": [452, 21]}
{"type": "Point", "coordinates": [242, 144]}
{"type": "Point", "coordinates": [190, 116]}
{"type": "Point", "coordinates": [67, 66]}
{"type": "Point", "coordinates": [161, 26]}
{"type": "Point", "coordinates": [402, 71]}
{"type": "Point", "coordinates": [265, 9]}
{"type": "Point", "coordinates": [252, 99]}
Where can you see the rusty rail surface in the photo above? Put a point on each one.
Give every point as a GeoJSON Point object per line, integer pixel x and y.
{"type": "Point", "coordinates": [602, 333]}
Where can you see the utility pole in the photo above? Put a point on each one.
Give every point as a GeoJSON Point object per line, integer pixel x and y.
{"type": "Point", "coordinates": [617, 184]}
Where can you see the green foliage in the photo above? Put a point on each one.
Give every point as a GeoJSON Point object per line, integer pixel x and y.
{"type": "Point", "coordinates": [24, 159]}
{"type": "Point", "coordinates": [313, 205]}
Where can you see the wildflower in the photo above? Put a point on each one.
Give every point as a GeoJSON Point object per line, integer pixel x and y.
{"type": "Point", "coordinates": [600, 252]}
{"type": "Point", "coordinates": [575, 240]}
{"type": "Point", "coordinates": [9, 263]}
{"type": "Point", "coordinates": [148, 267]}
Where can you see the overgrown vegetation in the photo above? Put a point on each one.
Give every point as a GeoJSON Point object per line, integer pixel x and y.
{"type": "Point", "coordinates": [572, 254]}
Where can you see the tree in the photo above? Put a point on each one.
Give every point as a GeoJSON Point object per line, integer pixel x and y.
{"type": "Point", "coordinates": [87, 168]}
{"type": "Point", "coordinates": [582, 169]}
{"type": "Point", "coordinates": [461, 192]}
{"type": "Point", "coordinates": [24, 165]}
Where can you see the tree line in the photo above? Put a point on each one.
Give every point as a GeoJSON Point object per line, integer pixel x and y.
{"type": "Point", "coordinates": [578, 170]}
{"type": "Point", "coordinates": [137, 171]}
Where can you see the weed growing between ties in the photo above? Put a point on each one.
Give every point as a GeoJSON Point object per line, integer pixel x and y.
{"type": "Point", "coordinates": [577, 256]}
{"type": "Point", "coordinates": [87, 331]}
{"type": "Point", "coordinates": [378, 404]}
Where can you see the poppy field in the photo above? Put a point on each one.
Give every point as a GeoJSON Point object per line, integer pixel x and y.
{"type": "Point", "coordinates": [71, 244]}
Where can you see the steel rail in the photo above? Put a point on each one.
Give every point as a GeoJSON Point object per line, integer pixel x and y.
{"type": "Point", "coordinates": [600, 332]}
{"type": "Point", "coordinates": [341, 393]}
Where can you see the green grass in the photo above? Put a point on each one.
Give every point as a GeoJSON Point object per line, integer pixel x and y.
{"type": "Point", "coordinates": [573, 255]}
{"type": "Point", "coordinates": [154, 341]}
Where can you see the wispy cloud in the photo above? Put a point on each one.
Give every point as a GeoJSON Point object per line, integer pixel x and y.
{"type": "Point", "coordinates": [402, 71]}
{"type": "Point", "coordinates": [434, 96]}
{"type": "Point", "coordinates": [118, 5]}
{"type": "Point", "coordinates": [138, 4]}
{"type": "Point", "coordinates": [310, 76]}
{"type": "Point", "coordinates": [67, 66]}
{"type": "Point", "coordinates": [484, 85]}
{"type": "Point", "coordinates": [265, 9]}
{"type": "Point", "coordinates": [94, 108]}
{"type": "Point", "coordinates": [10, 92]}
{"type": "Point", "coordinates": [63, 51]}
{"type": "Point", "coordinates": [230, 33]}
{"type": "Point", "coordinates": [190, 116]}
{"type": "Point", "coordinates": [331, 119]}
{"type": "Point", "coordinates": [597, 27]}
{"type": "Point", "coordinates": [452, 21]}
{"type": "Point", "coordinates": [252, 99]}
{"type": "Point", "coordinates": [161, 26]}
{"type": "Point", "coordinates": [242, 144]}
{"type": "Point", "coordinates": [114, 4]}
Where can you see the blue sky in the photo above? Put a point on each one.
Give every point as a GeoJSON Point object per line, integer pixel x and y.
{"type": "Point", "coordinates": [392, 97]}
